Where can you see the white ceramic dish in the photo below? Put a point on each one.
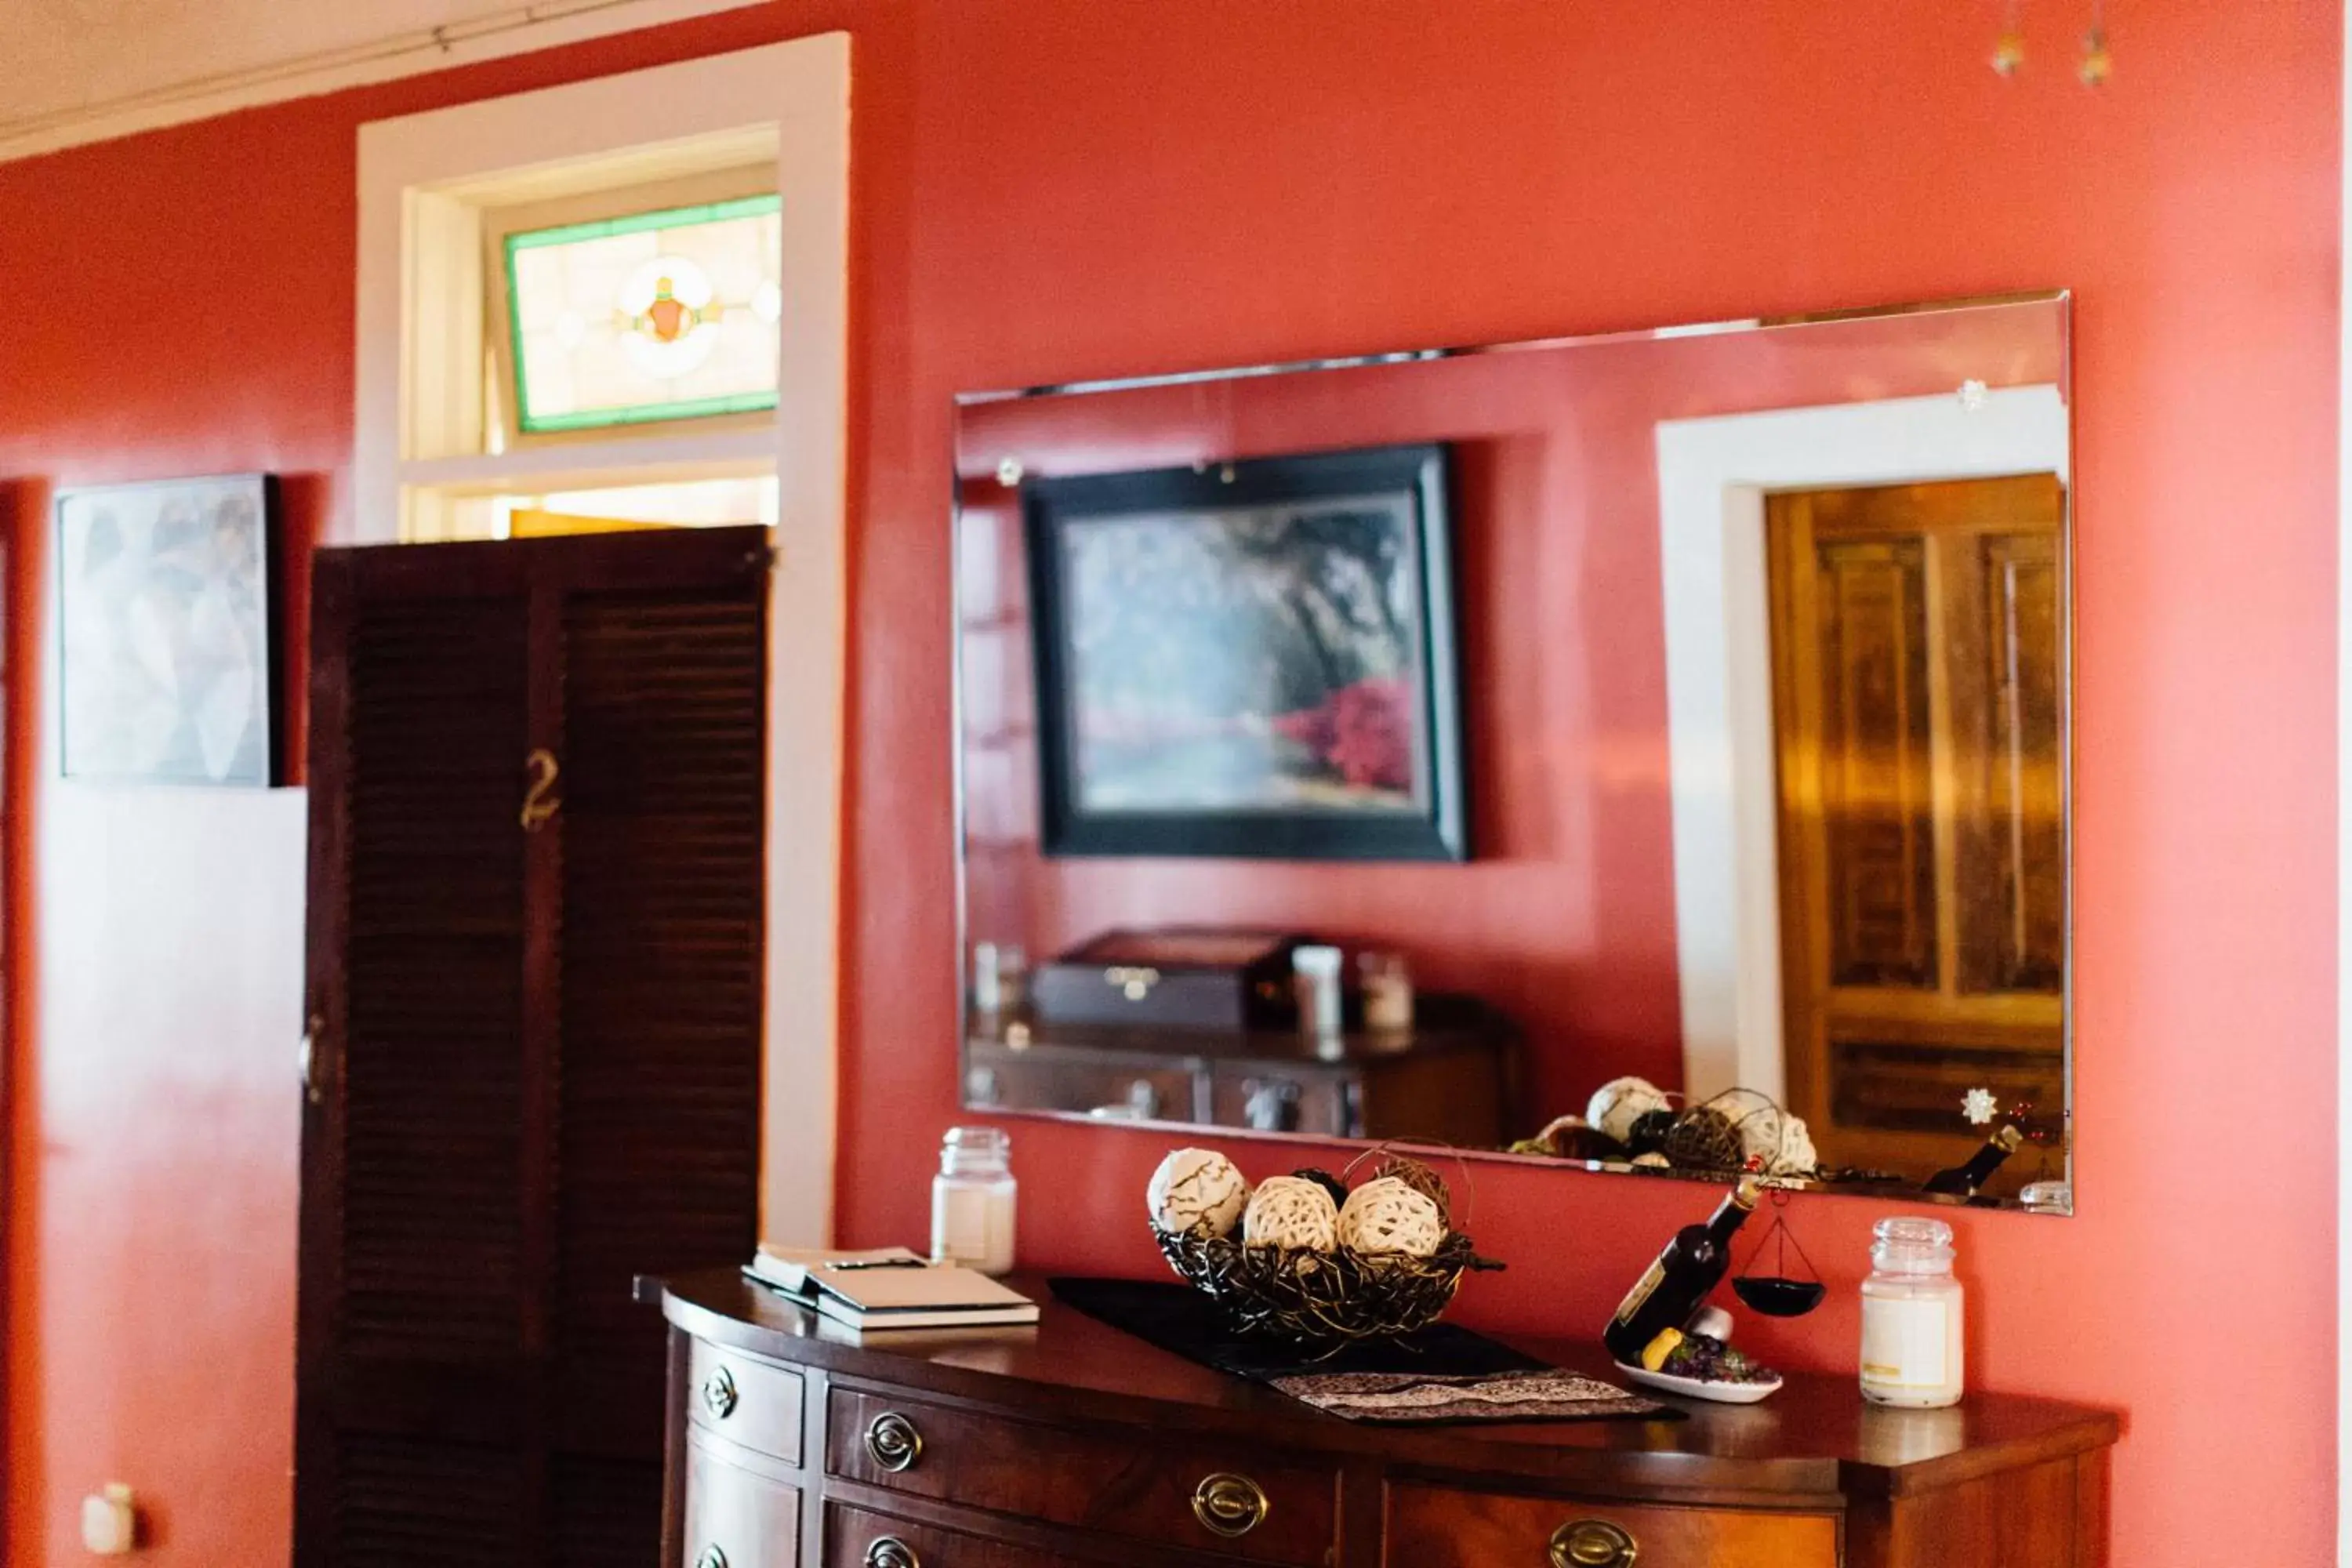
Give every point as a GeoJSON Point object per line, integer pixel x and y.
{"type": "Point", "coordinates": [1700, 1388]}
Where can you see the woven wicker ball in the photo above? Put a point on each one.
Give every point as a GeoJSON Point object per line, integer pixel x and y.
{"type": "Point", "coordinates": [1291, 1211]}
{"type": "Point", "coordinates": [1621, 1102]}
{"type": "Point", "coordinates": [1197, 1190]}
{"type": "Point", "coordinates": [1387, 1215]}
{"type": "Point", "coordinates": [1422, 1179]}
{"type": "Point", "coordinates": [1331, 1184]}
{"type": "Point", "coordinates": [1796, 1156]}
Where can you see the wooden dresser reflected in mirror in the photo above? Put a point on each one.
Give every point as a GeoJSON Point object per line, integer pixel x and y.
{"type": "Point", "coordinates": [1688, 707]}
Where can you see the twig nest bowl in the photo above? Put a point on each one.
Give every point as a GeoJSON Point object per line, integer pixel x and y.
{"type": "Point", "coordinates": [1306, 1262]}
{"type": "Point", "coordinates": [1705, 1138]}
{"type": "Point", "coordinates": [1386, 1216]}
{"type": "Point", "coordinates": [1197, 1190]}
{"type": "Point", "coordinates": [1293, 1212]}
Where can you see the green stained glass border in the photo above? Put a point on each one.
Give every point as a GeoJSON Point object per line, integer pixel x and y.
{"type": "Point", "coordinates": [605, 229]}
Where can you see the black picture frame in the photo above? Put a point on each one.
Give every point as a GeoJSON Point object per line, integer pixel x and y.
{"type": "Point", "coordinates": [1412, 483]}
{"type": "Point", "coordinates": [195, 558]}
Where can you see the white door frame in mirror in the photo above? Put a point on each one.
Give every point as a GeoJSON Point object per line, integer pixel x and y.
{"type": "Point", "coordinates": [423, 181]}
{"type": "Point", "coordinates": [1713, 476]}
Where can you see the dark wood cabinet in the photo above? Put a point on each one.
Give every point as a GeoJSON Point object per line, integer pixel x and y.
{"type": "Point", "coordinates": [533, 1064]}
{"type": "Point", "coordinates": [1453, 1078]}
{"type": "Point", "coordinates": [1073, 1445]}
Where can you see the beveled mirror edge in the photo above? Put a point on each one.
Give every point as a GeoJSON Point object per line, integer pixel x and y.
{"type": "Point", "coordinates": [2060, 298]}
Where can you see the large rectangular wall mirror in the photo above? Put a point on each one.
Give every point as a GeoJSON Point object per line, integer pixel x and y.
{"type": "Point", "coordinates": [1646, 752]}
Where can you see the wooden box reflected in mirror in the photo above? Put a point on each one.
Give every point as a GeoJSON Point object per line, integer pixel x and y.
{"type": "Point", "coordinates": [1763, 720]}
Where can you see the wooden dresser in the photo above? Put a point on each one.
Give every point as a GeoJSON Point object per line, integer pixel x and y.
{"type": "Point", "coordinates": [1073, 1445]}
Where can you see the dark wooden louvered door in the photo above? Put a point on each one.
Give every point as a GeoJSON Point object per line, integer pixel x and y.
{"type": "Point", "coordinates": [536, 888]}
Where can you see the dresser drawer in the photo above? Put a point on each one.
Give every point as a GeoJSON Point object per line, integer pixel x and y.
{"type": "Point", "coordinates": [745, 1400]}
{"type": "Point", "coordinates": [1125, 1482]}
{"type": "Point", "coordinates": [857, 1538]}
{"type": "Point", "coordinates": [735, 1519]}
{"type": "Point", "coordinates": [1435, 1527]}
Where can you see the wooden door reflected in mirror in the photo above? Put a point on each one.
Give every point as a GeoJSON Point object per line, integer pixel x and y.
{"type": "Point", "coordinates": [1917, 671]}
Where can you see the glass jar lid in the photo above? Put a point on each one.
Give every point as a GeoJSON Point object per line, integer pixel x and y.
{"type": "Point", "coordinates": [975, 1151]}
{"type": "Point", "coordinates": [1907, 1244]}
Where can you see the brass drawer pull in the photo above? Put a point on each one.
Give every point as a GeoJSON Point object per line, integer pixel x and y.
{"type": "Point", "coordinates": [889, 1551]}
{"type": "Point", "coordinates": [892, 1442]}
{"type": "Point", "coordinates": [711, 1558]}
{"type": "Point", "coordinates": [1592, 1543]}
{"type": "Point", "coordinates": [1229, 1505]}
{"type": "Point", "coordinates": [719, 1397]}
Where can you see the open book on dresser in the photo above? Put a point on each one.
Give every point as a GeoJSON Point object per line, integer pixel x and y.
{"type": "Point", "coordinates": [889, 1288]}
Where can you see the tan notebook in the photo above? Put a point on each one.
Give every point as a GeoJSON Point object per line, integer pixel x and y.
{"type": "Point", "coordinates": [787, 1268]}
{"type": "Point", "coordinates": [890, 1288]}
{"type": "Point", "coordinates": [935, 1296]}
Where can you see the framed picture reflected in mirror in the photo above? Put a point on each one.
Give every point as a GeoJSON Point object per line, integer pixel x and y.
{"type": "Point", "coordinates": [1252, 659]}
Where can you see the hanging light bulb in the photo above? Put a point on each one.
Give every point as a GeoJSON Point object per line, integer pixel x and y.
{"type": "Point", "coordinates": [2097, 63]}
{"type": "Point", "coordinates": [2009, 50]}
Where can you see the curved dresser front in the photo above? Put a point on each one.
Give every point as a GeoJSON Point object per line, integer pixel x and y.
{"type": "Point", "coordinates": [1071, 1445]}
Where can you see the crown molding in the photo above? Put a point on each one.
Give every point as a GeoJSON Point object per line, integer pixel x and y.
{"type": "Point", "coordinates": [544, 23]}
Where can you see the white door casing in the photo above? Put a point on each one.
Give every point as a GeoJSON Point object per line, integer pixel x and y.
{"type": "Point", "coordinates": [419, 438]}
{"type": "Point", "coordinates": [1713, 476]}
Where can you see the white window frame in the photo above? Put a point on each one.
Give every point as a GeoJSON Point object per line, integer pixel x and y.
{"type": "Point", "coordinates": [425, 182]}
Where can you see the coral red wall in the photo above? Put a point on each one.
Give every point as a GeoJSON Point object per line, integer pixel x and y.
{"type": "Point", "coordinates": [1057, 188]}
{"type": "Point", "coordinates": [1565, 917]}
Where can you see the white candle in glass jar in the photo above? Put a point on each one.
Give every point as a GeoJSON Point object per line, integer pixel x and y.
{"type": "Point", "coordinates": [1912, 1346]}
{"type": "Point", "coordinates": [973, 1201]}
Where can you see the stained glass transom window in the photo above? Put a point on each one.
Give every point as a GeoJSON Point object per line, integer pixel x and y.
{"type": "Point", "coordinates": [659, 315]}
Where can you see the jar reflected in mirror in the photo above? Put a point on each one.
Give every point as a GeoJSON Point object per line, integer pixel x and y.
{"type": "Point", "coordinates": [1387, 982]}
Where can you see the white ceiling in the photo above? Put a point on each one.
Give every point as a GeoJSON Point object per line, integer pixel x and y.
{"type": "Point", "coordinates": [76, 54]}
{"type": "Point", "coordinates": [75, 70]}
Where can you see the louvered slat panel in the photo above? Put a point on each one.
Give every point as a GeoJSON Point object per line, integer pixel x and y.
{"type": "Point", "coordinates": [432, 1056]}
{"type": "Point", "coordinates": [406, 1502]}
{"type": "Point", "coordinates": [658, 1123]}
{"type": "Point", "coordinates": [607, 1513]}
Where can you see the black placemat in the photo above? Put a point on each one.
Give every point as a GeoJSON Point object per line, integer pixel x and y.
{"type": "Point", "coordinates": [1438, 1374]}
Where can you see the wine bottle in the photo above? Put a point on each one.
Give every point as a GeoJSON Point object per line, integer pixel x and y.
{"type": "Point", "coordinates": [1964, 1181]}
{"type": "Point", "coordinates": [1677, 1284]}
